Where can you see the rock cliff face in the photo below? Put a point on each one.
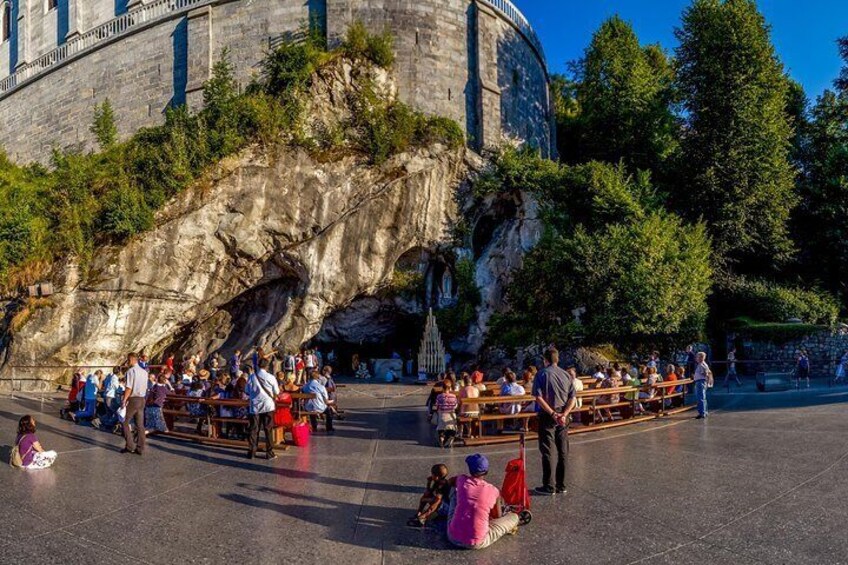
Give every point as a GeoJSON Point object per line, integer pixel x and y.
{"type": "Point", "coordinates": [507, 227]}
{"type": "Point", "coordinates": [261, 254]}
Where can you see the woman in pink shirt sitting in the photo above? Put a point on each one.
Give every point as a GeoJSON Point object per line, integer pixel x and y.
{"type": "Point", "coordinates": [475, 520]}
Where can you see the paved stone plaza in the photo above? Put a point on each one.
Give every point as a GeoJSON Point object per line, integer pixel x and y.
{"type": "Point", "coordinates": [764, 480]}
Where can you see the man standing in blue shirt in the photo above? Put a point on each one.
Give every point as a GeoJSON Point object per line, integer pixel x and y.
{"type": "Point", "coordinates": [262, 389]}
{"type": "Point", "coordinates": [555, 399]}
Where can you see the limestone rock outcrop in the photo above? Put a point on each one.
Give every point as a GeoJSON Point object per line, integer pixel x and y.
{"type": "Point", "coordinates": [261, 254]}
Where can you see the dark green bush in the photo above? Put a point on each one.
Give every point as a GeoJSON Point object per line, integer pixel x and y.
{"type": "Point", "coordinates": [221, 110]}
{"type": "Point", "coordinates": [287, 69]}
{"type": "Point", "coordinates": [768, 301]}
{"type": "Point", "coordinates": [125, 211]}
{"type": "Point", "coordinates": [772, 331]}
{"type": "Point", "coordinates": [520, 169]}
{"type": "Point", "coordinates": [608, 247]}
{"type": "Point", "coordinates": [436, 129]}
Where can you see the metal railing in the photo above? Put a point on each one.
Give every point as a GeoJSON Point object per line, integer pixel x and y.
{"type": "Point", "coordinates": [514, 15]}
{"type": "Point", "coordinates": [135, 18]}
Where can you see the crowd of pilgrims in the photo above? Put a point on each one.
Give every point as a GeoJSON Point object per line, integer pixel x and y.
{"type": "Point", "coordinates": [96, 397]}
{"type": "Point", "coordinates": [446, 409]}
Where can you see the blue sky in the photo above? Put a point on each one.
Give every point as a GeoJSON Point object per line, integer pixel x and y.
{"type": "Point", "coordinates": [804, 32]}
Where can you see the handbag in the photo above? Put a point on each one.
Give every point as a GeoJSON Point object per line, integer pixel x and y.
{"type": "Point", "coordinates": [15, 459]}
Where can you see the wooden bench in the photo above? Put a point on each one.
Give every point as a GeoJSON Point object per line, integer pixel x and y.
{"type": "Point", "coordinates": [212, 419]}
{"type": "Point", "coordinates": [592, 406]}
{"type": "Point", "coordinates": [478, 421]}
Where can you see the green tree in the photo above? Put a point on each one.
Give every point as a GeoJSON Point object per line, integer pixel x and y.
{"type": "Point", "coordinates": [567, 117]}
{"type": "Point", "coordinates": [103, 126]}
{"type": "Point", "coordinates": [220, 108]}
{"type": "Point", "coordinates": [821, 221]}
{"type": "Point", "coordinates": [735, 155]}
{"type": "Point", "coordinates": [797, 109]}
{"type": "Point", "coordinates": [624, 93]}
{"type": "Point", "coordinates": [608, 246]}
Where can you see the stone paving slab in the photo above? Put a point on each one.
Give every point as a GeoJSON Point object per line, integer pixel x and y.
{"type": "Point", "coordinates": [763, 480]}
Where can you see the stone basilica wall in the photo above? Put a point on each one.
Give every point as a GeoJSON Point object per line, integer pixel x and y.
{"type": "Point", "coordinates": [459, 58]}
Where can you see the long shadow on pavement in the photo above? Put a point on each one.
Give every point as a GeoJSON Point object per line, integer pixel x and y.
{"type": "Point", "coordinates": [363, 525]}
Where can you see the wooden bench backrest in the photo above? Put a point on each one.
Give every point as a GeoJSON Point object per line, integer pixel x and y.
{"type": "Point", "coordinates": [230, 402]}
{"type": "Point", "coordinates": [498, 399]}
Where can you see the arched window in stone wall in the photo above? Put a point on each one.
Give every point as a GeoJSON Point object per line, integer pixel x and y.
{"type": "Point", "coordinates": [6, 24]}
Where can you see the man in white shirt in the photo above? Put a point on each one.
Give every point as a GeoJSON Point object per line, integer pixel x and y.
{"type": "Point", "coordinates": [703, 378]}
{"type": "Point", "coordinates": [262, 389]}
{"type": "Point", "coordinates": [133, 401]}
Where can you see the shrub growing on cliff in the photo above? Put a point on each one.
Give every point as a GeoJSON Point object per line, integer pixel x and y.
{"type": "Point", "coordinates": [24, 228]}
{"type": "Point", "coordinates": [103, 127]}
{"type": "Point", "coordinates": [377, 48]}
{"type": "Point", "coordinates": [384, 127]}
{"type": "Point", "coordinates": [288, 68]}
{"type": "Point", "coordinates": [517, 169]}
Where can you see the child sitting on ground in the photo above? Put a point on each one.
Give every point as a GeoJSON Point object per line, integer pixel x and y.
{"type": "Point", "coordinates": [435, 496]}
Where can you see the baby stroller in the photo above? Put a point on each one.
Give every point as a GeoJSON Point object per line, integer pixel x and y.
{"type": "Point", "coordinates": [514, 491]}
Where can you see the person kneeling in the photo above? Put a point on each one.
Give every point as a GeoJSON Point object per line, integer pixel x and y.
{"type": "Point", "coordinates": [472, 506]}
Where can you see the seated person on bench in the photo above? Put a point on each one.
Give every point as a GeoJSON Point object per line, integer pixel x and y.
{"type": "Point", "coordinates": [475, 520]}
{"type": "Point", "coordinates": [468, 410]}
{"type": "Point", "coordinates": [578, 385]}
{"type": "Point", "coordinates": [319, 404]}
{"type": "Point", "coordinates": [511, 388]}
{"type": "Point", "coordinates": [651, 379]}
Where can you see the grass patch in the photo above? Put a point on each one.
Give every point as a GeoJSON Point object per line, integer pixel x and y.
{"type": "Point", "coordinates": [23, 315]}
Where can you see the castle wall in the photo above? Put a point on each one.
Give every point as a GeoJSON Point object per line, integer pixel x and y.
{"type": "Point", "coordinates": [44, 26]}
{"type": "Point", "coordinates": [431, 46]}
{"type": "Point", "coordinates": [96, 12]}
{"type": "Point", "coordinates": [136, 74]}
{"type": "Point", "coordinates": [456, 58]}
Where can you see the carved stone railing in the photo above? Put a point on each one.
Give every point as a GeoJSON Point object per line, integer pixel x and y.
{"type": "Point", "coordinates": [136, 18]}
{"type": "Point", "coordinates": [514, 15]}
